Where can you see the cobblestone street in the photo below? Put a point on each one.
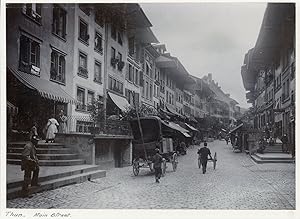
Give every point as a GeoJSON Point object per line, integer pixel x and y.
{"type": "Point", "coordinates": [237, 183]}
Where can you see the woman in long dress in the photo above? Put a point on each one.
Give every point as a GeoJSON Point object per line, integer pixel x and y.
{"type": "Point", "coordinates": [51, 129]}
{"type": "Point", "coordinates": [62, 122]}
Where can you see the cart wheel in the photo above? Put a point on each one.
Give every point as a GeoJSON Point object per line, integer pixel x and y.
{"type": "Point", "coordinates": [199, 162]}
{"type": "Point", "coordinates": [174, 161]}
{"type": "Point", "coordinates": [135, 168]}
{"type": "Point", "coordinates": [164, 167]}
{"type": "Point", "coordinates": [215, 160]}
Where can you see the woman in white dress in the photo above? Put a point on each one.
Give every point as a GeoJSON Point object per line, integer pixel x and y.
{"type": "Point", "coordinates": [51, 129]}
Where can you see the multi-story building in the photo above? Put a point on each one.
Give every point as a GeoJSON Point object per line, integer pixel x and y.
{"type": "Point", "coordinates": [269, 72]}
{"type": "Point", "coordinates": [40, 56]}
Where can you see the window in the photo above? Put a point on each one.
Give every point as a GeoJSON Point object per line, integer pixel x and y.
{"type": "Point", "coordinates": [115, 85]}
{"type": "Point", "coordinates": [81, 99]}
{"type": "Point", "coordinates": [151, 91]}
{"type": "Point", "coordinates": [57, 71]}
{"type": "Point", "coordinates": [147, 89]}
{"type": "Point", "coordinates": [120, 38]}
{"type": "Point", "coordinates": [136, 76]}
{"type": "Point", "coordinates": [287, 88]}
{"type": "Point", "coordinates": [120, 62]}
{"type": "Point", "coordinates": [97, 71]}
{"type": "Point", "coordinates": [59, 22]}
{"type": "Point", "coordinates": [131, 46]}
{"type": "Point", "coordinates": [83, 31]}
{"type": "Point", "coordinates": [98, 43]}
{"type": "Point", "coordinates": [83, 126]}
{"type": "Point", "coordinates": [82, 69]}
{"type": "Point", "coordinates": [130, 73]}
{"type": "Point", "coordinates": [113, 32]}
{"type": "Point", "coordinates": [33, 10]}
{"type": "Point", "coordinates": [90, 99]}
{"type": "Point", "coordinates": [113, 57]}
{"type": "Point", "coordinates": [29, 55]}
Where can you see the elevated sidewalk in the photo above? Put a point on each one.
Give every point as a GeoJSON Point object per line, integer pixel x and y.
{"type": "Point", "coordinates": [50, 177]}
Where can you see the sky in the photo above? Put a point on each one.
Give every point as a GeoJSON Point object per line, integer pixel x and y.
{"type": "Point", "coordinates": [209, 38]}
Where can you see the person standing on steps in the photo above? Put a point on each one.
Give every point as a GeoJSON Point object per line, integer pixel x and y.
{"type": "Point", "coordinates": [203, 153]}
{"type": "Point", "coordinates": [30, 163]}
{"type": "Point", "coordinates": [157, 161]}
{"type": "Point", "coordinates": [51, 128]}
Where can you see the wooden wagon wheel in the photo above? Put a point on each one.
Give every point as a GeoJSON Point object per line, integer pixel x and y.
{"type": "Point", "coordinates": [174, 161]}
{"type": "Point", "coordinates": [164, 167]}
{"type": "Point", "coordinates": [215, 160]}
{"type": "Point", "coordinates": [136, 167]}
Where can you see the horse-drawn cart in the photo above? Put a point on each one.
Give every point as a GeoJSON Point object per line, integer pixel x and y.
{"type": "Point", "coordinates": [149, 134]}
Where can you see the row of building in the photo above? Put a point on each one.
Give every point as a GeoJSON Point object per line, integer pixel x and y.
{"type": "Point", "coordinates": [63, 56]}
{"type": "Point", "coordinates": [268, 73]}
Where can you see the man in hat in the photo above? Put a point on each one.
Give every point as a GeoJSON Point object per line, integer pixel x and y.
{"type": "Point", "coordinates": [203, 153]}
{"type": "Point", "coordinates": [30, 164]}
{"type": "Point", "coordinates": [157, 160]}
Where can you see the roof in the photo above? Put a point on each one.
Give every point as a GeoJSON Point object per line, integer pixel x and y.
{"type": "Point", "coordinates": [45, 88]}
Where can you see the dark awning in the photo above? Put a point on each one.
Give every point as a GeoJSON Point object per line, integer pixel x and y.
{"type": "Point", "coordinates": [236, 128]}
{"type": "Point", "coordinates": [174, 112]}
{"type": "Point", "coordinates": [191, 127]}
{"type": "Point", "coordinates": [44, 87]}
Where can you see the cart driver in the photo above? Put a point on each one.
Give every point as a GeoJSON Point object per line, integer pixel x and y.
{"type": "Point", "coordinates": [203, 153]}
{"type": "Point", "coordinates": [157, 161]}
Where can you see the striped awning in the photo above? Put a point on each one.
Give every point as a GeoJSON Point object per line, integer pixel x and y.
{"type": "Point", "coordinates": [45, 88]}
{"type": "Point", "coordinates": [191, 127]}
{"type": "Point", "coordinates": [120, 102]}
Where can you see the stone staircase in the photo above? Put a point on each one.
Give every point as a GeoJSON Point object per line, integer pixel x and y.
{"type": "Point", "coordinates": [49, 154]}
{"type": "Point", "coordinates": [59, 166]}
{"type": "Point", "coordinates": [272, 158]}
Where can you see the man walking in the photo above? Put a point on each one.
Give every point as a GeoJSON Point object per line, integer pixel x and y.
{"type": "Point", "coordinates": [30, 164]}
{"type": "Point", "coordinates": [157, 160]}
{"type": "Point", "coordinates": [203, 153]}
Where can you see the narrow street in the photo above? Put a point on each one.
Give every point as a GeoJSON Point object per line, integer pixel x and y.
{"type": "Point", "coordinates": [237, 183]}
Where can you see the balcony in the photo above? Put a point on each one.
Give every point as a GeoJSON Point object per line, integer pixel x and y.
{"type": "Point", "coordinates": [131, 59]}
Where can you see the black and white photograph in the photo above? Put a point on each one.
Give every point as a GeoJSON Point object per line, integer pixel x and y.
{"type": "Point", "coordinates": [148, 106]}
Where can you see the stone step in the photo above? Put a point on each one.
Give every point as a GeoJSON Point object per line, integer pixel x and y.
{"type": "Point", "coordinates": [40, 145]}
{"type": "Point", "coordinates": [45, 156]}
{"type": "Point", "coordinates": [51, 162]}
{"type": "Point", "coordinates": [274, 156]}
{"type": "Point", "coordinates": [42, 150]}
{"type": "Point", "coordinates": [56, 183]}
{"type": "Point", "coordinates": [76, 171]}
{"type": "Point", "coordinates": [258, 160]}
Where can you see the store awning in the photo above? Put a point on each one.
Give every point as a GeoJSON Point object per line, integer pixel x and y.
{"type": "Point", "coordinates": [44, 87]}
{"type": "Point", "coordinates": [186, 134]}
{"type": "Point", "coordinates": [177, 127]}
{"type": "Point", "coordinates": [236, 128]}
{"type": "Point", "coordinates": [174, 112]}
{"type": "Point", "coordinates": [191, 127]}
{"type": "Point", "coordinates": [120, 102]}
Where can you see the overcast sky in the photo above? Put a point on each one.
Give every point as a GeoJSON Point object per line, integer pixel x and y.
{"type": "Point", "coordinates": [209, 38]}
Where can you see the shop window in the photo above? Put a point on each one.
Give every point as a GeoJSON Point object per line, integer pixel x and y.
{"type": "Point", "coordinates": [29, 55]}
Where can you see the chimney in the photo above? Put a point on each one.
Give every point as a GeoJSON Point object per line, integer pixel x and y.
{"type": "Point", "coordinates": [209, 77]}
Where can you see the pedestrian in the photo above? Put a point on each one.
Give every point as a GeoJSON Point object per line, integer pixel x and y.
{"type": "Point", "coordinates": [284, 141]}
{"type": "Point", "coordinates": [30, 163]}
{"type": "Point", "coordinates": [203, 153]}
{"type": "Point", "coordinates": [51, 129]}
{"type": "Point", "coordinates": [63, 122]}
{"type": "Point", "coordinates": [157, 161]}
{"type": "Point", "coordinates": [227, 139]}
{"type": "Point", "coordinates": [33, 130]}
